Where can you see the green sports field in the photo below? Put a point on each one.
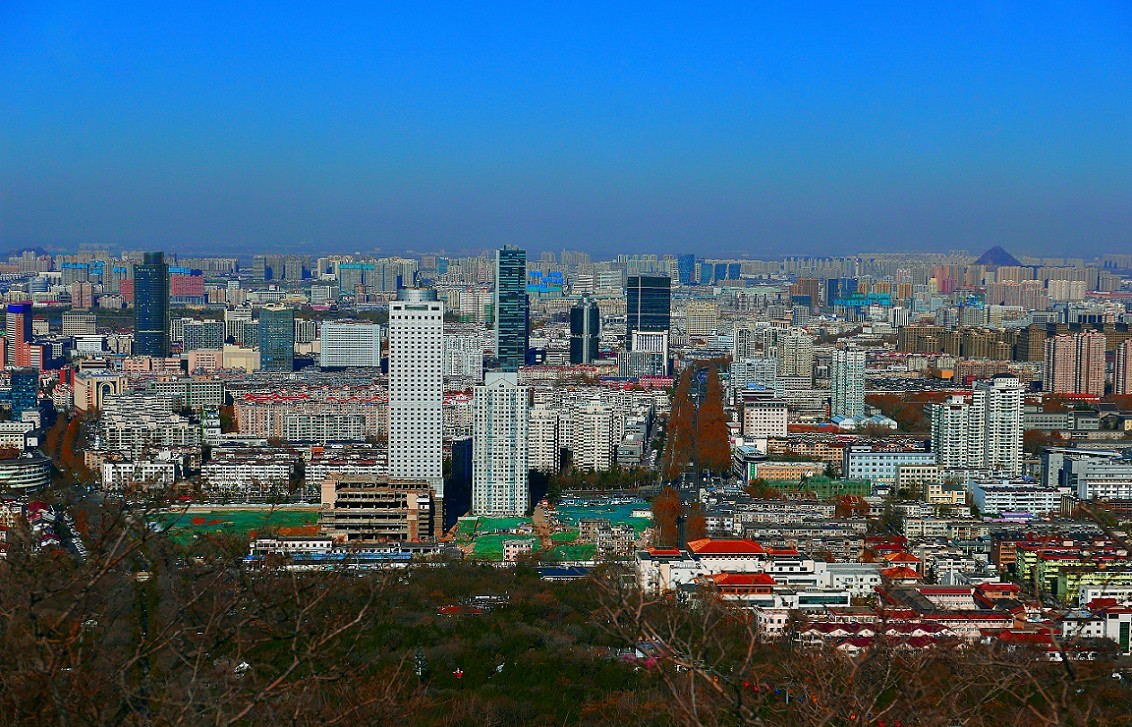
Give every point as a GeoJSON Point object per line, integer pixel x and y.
{"type": "Point", "coordinates": [184, 527]}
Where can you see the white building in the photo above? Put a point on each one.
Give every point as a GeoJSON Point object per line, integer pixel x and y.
{"type": "Point", "coordinates": [544, 446]}
{"type": "Point", "coordinates": [346, 343]}
{"type": "Point", "coordinates": [463, 355]}
{"type": "Point", "coordinates": [952, 433]}
{"type": "Point", "coordinates": [992, 427]}
{"type": "Point", "coordinates": [118, 476]}
{"type": "Point", "coordinates": [865, 463]}
{"type": "Point", "coordinates": [847, 382]}
{"type": "Point", "coordinates": [499, 446]}
{"type": "Point", "coordinates": [589, 437]}
{"type": "Point", "coordinates": [416, 388]}
{"type": "Point", "coordinates": [764, 415]}
{"type": "Point", "coordinates": [999, 496]}
{"type": "Point", "coordinates": [796, 354]}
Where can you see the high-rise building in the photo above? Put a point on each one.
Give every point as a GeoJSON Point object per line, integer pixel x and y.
{"type": "Point", "coordinates": [349, 343]}
{"type": "Point", "coordinates": [416, 387]}
{"type": "Point", "coordinates": [499, 446]}
{"type": "Point", "coordinates": [847, 380]}
{"type": "Point", "coordinates": [1122, 380]}
{"type": "Point", "coordinates": [796, 354]}
{"type": "Point", "coordinates": [1074, 364]}
{"type": "Point", "coordinates": [648, 305]}
{"type": "Point", "coordinates": [686, 269]}
{"type": "Point", "coordinates": [277, 339]}
{"type": "Point", "coordinates": [985, 433]}
{"type": "Point", "coordinates": [151, 306]}
{"type": "Point", "coordinates": [952, 433]}
{"type": "Point", "coordinates": [512, 333]}
{"type": "Point", "coordinates": [544, 450]}
{"type": "Point", "coordinates": [19, 334]}
{"type": "Point", "coordinates": [82, 294]}
{"type": "Point", "coordinates": [585, 331]}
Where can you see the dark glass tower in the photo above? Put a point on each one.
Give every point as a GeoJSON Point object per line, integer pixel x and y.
{"type": "Point", "coordinates": [277, 339]}
{"type": "Point", "coordinates": [512, 336]}
{"type": "Point", "coordinates": [151, 306]}
{"type": "Point", "coordinates": [585, 331]}
{"type": "Point", "coordinates": [648, 305]}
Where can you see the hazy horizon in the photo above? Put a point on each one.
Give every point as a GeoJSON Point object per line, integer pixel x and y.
{"type": "Point", "coordinates": [727, 131]}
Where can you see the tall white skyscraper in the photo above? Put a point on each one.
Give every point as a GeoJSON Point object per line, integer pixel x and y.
{"type": "Point", "coordinates": [499, 446]}
{"type": "Point", "coordinates": [796, 354]}
{"type": "Point", "coordinates": [847, 379]}
{"type": "Point", "coordinates": [1000, 401]}
{"type": "Point", "coordinates": [416, 387]}
{"type": "Point", "coordinates": [345, 343]}
{"type": "Point", "coordinates": [984, 433]}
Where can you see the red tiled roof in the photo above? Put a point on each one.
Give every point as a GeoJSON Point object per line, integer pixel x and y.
{"type": "Point", "coordinates": [743, 579]}
{"type": "Point", "coordinates": [707, 546]}
{"type": "Point", "coordinates": [900, 572]}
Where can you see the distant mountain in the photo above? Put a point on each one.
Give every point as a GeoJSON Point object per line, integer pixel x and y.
{"type": "Point", "coordinates": [998, 257]}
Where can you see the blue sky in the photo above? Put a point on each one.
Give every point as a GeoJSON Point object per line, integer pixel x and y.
{"type": "Point", "coordinates": [733, 129]}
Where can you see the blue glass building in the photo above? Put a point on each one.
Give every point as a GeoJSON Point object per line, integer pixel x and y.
{"type": "Point", "coordinates": [512, 335]}
{"type": "Point", "coordinates": [151, 306]}
{"type": "Point", "coordinates": [277, 339]}
{"type": "Point", "coordinates": [648, 305]}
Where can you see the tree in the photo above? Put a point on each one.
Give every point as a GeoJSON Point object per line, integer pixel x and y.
{"type": "Point", "coordinates": [681, 429]}
{"type": "Point", "coordinates": [712, 441]}
{"type": "Point", "coordinates": [695, 526]}
{"type": "Point", "coordinates": [666, 511]}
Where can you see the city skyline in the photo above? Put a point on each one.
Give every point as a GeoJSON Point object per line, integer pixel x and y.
{"type": "Point", "coordinates": [729, 131]}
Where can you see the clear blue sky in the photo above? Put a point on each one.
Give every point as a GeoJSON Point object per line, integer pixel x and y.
{"type": "Point", "coordinates": [714, 128]}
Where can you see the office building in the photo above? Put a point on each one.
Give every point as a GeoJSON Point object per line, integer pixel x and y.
{"type": "Point", "coordinates": [416, 387]}
{"type": "Point", "coordinates": [512, 333]}
{"type": "Point", "coordinates": [25, 392]}
{"type": "Point", "coordinates": [350, 343]}
{"type": "Point", "coordinates": [764, 415]}
{"type": "Point", "coordinates": [848, 383]}
{"type": "Point", "coordinates": [585, 331]}
{"type": "Point", "coordinates": [648, 305]}
{"type": "Point", "coordinates": [151, 306]}
{"type": "Point", "coordinates": [199, 335]}
{"type": "Point", "coordinates": [499, 446]}
{"type": "Point", "coordinates": [277, 339]}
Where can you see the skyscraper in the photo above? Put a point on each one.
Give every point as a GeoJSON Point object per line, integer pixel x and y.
{"type": "Point", "coordinates": [796, 354]}
{"type": "Point", "coordinates": [847, 381]}
{"type": "Point", "coordinates": [585, 331]}
{"type": "Point", "coordinates": [686, 269]}
{"type": "Point", "coordinates": [416, 388]}
{"type": "Point", "coordinates": [512, 335]}
{"type": "Point", "coordinates": [648, 305]}
{"type": "Point", "coordinates": [1074, 364]}
{"type": "Point", "coordinates": [277, 339]}
{"type": "Point", "coordinates": [151, 306]}
{"type": "Point", "coordinates": [1122, 380]}
{"type": "Point", "coordinates": [19, 334]}
{"type": "Point", "coordinates": [997, 409]}
{"type": "Point", "coordinates": [984, 433]}
{"type": "Point", "coordinates": [499, 446]}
